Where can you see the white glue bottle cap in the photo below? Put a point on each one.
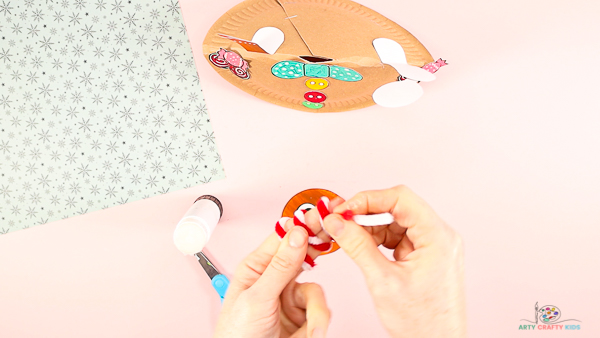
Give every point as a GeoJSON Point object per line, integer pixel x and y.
{"type": "Point", "coordinates": [194, 230]}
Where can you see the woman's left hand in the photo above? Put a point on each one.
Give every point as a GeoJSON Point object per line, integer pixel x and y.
{"type": "Point", "coordinates": [264, 299]}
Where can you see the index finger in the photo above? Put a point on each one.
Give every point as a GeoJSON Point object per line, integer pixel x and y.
{"type": "Point", "coordinates": [409, 210]}
{"type": "Point", "coordinates": [253, 266]}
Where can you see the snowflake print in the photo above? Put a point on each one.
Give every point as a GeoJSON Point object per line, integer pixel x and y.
{"type": "Point", "coordinates": [88, 32]}
{"type": "Point", "coordinates": [130, 19]}
{"type": "Point", "coordinates": [154, 14]}
{"type": "Point", "coordinates": [163, 27]}
{"type": "Point", "coordinates": [209, 138]}
{"type": "Point", "coordinates": [80, 4]}
{"type": "Point", "coordinates": [169, 102]}
{"type": "Point", "coordinates": [118, 86]}
{"type": "Point", "coordinates": [4, 101]}
{"type": "Point", "coordinates": [158, 42]}
{"type": "Point", "coordinates": [128, 67]}
{"type": "Point", "coordinates": [5, 8]}
{"type": "Point", "coordinates": [103, 105]}
{"type": "Point", "coordinates": [173, 7]}
{"type": "Point", "coordinates": [120, 39]}
{"type": "Point", "coordinates": [117, 6]}
{"type": "Point", "coordinates": [46, 44]}
{"type": "Point", "coordinates": [37, 15]}
{"type": "Point", "coordinates": [198, 155]}
{"type": "Point", "coordinates": [100, 5]}
{"type": "Point", "coordinates": [78, 50]}
{"type": "Point", "coordinates": [5, 55]}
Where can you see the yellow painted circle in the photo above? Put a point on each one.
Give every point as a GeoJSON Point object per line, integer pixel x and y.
{"type": "Point", "coordinates": [316, 83]}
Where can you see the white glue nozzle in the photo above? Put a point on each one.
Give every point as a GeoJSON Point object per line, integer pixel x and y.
{"type": "Point", "coordinates": [190, 238]}
{"type": "Point", "coordinates": [194, 230]}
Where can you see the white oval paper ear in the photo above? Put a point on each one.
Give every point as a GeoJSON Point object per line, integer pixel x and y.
{"type": "Point", "coordinates": [413, 72]}
{"type": "Point", "coordinates": [269, 39]}
{"type": "Point", "coordinates": [397, 94]}
{"type": "Point", "coordinates": [389, 51]}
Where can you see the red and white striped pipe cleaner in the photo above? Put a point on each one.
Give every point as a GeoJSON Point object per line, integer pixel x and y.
{"type": "Point", "coordinates": [313, 240]}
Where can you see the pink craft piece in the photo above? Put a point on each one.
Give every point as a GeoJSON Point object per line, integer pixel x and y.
{"type": "Point", "coordinates": [434, 66]}
{"type": "Point", "coordinates": [232, 60]}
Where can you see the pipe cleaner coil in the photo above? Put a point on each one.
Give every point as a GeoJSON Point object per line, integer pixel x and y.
{"type": "Point", "coordinates": [299, 220]}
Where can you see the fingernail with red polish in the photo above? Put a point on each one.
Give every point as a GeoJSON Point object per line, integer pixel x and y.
{"type": "Point", "coordinates": [348, 214]}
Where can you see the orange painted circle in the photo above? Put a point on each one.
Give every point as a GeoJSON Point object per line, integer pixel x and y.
{"type": "Point", "coordinates": [334, 248]}
{"type": "Point", "coordinates": [310, 196]}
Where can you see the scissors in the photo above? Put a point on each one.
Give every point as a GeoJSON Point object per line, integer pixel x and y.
{"type": "Point", "coordinates": [218, 280]}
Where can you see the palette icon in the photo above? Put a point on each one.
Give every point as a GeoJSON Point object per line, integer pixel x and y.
{"type": "Point", "coordinates": [549, 314]}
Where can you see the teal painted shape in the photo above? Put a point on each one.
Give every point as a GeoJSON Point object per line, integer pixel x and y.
{"type": "Point", "coordinates": [288, 69]}
{"type": "Point", "coordinates": [344, 74]}
{"type": "Point", "coordinates": [295, 69]}
{"type": "Point", "coordinates": [315, 70]}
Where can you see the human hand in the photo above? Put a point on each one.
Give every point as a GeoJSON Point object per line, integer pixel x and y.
{"type": "Point", "coordinates": [421, 293]}
{"type": "Point", "coordinates": [263, 299]}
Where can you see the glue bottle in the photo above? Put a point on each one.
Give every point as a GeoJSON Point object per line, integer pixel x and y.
{"type": "Point", "coordinates": [194, 230]}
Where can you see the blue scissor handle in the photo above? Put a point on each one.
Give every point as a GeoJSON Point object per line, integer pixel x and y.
{"type": "Point", "coordinates": [220, 283]}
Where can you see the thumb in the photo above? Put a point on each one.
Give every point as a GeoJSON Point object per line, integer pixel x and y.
{"type": "Point", "coordinates": [357, 243]}
{"type": "Point", "coordinates": [284, 265]}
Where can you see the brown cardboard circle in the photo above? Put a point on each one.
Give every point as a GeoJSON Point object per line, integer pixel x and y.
{"type": "Point", "coordinates": [338, 29]}
{"type": "Point", "coordinates": [311, 196]}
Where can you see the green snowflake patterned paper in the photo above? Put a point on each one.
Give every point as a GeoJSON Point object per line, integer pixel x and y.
{"type": "Point", "coordinates": [100, 105]}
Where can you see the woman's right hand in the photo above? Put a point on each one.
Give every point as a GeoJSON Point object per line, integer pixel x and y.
{"type": "Point", "coordinates": [421, 292]}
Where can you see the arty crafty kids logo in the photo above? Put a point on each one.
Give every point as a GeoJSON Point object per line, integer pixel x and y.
{"type": "Point", "coordinates": [549, 317]}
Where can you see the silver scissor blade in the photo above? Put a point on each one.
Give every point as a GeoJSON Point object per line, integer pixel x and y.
{"type": "Point", "coordinates": [210, 269]}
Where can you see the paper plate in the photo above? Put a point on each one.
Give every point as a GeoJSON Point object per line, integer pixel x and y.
{"type": "Point", "coordinates": [340, 30]}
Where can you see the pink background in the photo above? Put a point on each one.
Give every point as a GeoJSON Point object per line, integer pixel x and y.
{"type": "Point", "coordinates": [505, 145]}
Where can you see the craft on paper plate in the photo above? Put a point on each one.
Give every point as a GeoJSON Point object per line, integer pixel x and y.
{"type": "Point", "coordinates": [283, 42]}
{"type": "Point", "coordinates": [306, 200]}
{"type": "Point", "coordinates": [228, 59]}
